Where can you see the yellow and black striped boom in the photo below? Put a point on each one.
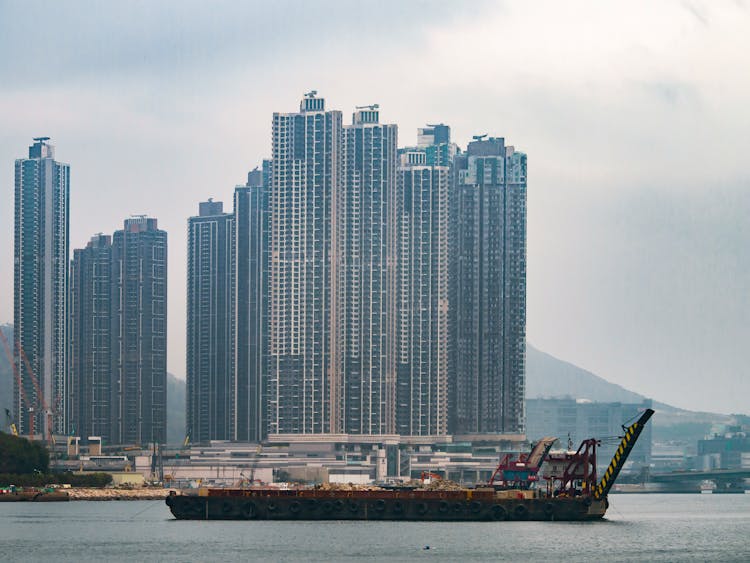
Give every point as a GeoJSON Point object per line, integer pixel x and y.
{"type": "Point", "coordinates": [621, 455]}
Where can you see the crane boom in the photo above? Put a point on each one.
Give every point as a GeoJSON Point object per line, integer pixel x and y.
{"type": "Point", "coordinates": [48, 433]}
{"type": "Point", "coordinates": [24, 396]}
{"type": "Point", "coordinates": [632, 433]}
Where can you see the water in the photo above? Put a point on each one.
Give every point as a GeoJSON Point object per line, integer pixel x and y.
{"type": "Point", "coordinates": [638, 528]}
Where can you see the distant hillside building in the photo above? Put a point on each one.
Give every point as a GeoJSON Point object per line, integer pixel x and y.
{"type": "Point", "coordinates": [40, 284]}
{"type": "Point", "coordinates": [210, 306]}
{"type": "Point", "coordinates": [728, 450]}
{"type": "Point", "coordinates": [582, 419]}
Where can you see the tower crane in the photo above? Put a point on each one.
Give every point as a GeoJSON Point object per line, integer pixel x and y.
{"type": "Point", "coordinates": [24, 396]}
{"type": "Point", "coordinates": [48, 434]}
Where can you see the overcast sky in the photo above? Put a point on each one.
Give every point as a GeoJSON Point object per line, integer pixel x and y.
{"type": "Point", "coordinates": [635, 117]}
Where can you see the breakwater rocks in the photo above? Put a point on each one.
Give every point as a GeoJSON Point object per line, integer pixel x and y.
{"type": "Point", "coordinates": [118, 494]}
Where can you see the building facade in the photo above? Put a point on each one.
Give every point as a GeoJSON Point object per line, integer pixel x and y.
{"type": "Point", "coordinates": [367, 281]}
{"type": "Point", "coordinates": [304, 377]}
{"type": "Point", "coordinates": [421, 296]}
{"type": "Point", "coordinates": [488, 289]}
{"type": "Point", "coordinates": [210, 326]}
{"type": "Point", "coordinates": [251, 264]}
{"type": "Point", "coordinates": [90, 387]}
{"type": "Point", "coordinates": [40, 283]}
{"type": "Point", "coordinates": [139, 308]}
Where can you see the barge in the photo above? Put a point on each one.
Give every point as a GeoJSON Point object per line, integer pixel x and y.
{"type": "Point", "coordinates": [568, 491]}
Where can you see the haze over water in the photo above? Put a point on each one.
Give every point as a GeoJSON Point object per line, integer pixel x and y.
{"type": "Point", "coordinates": [638, 528]}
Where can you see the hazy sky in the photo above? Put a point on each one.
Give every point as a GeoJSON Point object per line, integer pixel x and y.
{"type": "Point", "coordinates": [635, 117]}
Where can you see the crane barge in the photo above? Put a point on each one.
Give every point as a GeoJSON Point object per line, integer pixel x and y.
{"type": "Point", "coordinates": [572, 492]}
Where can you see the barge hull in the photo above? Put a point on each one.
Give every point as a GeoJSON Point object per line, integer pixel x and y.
{"type": "Point", "coordinates": [186, 507]}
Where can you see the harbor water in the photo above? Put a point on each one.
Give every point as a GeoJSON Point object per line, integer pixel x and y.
{"type": "Point", "coordinates": [637, 528]}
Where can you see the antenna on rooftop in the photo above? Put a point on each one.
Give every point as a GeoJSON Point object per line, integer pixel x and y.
{"type": "Point", "coordinates": [41, 139]}
{"type": "Point", "coordinates": [479, 137]}
{"type": "Point", "coordinates": [370, 107]}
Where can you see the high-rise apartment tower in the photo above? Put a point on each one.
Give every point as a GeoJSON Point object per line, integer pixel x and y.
{"type": "Point", "coordinates": [304, 376]}
{"type": "Point", "coordinates": [139, 275]}
{"type": "Point", "coordinates": [40, 283]}
{"type": "Point", "coordinates": [251, 259]}
{"type": "Point", "coordinates": [365, 315]}
{"type": "Point", "coordinates": [90, 391]}
{"type": "Point", "coordinates": [210, 327]}
{"type": "Point", "coordinates": [421, 336]}
{"type": "Point", "coordinates": [489, 288]}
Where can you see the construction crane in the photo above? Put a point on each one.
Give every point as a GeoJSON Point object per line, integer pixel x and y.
{"type": "Point", "coordinates": [11, 424]}
{"type": "Point", "coordinates": [48, 433]}
{"type": "Point", "coordinates": [429, 475]}
{"type": "Point", "coordinates": [522, 472]}
{"type": "Point", "coordinates": [24, 396]}
{"type": "Point", "coordinates": [254, 464]}
{"type": "Point", "coordinates": [629, 439]}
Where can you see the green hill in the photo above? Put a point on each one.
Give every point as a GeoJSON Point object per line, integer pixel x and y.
{"type": "Point", "coordinates": [550, 377]}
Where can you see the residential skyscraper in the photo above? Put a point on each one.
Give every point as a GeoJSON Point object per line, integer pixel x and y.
{"type": "Point", "coordinates": [304, 200]}
{"type": "Point", "coordinates": [139, 275]}
{"type": "Point", "coordinates": [210, 327]}
{"type": "Point", "coordinates": [90, 389]}
{"type": "Point", "coordinates": [367, 282]}
{"type": "Point", "coordinates": [40, 283]}
{"type": "Point", "coordinates": [421, 336]}
{"type": "Point", "coordinates": [489, 288]}
{"type": "Point", "coordinates": [251, 264]}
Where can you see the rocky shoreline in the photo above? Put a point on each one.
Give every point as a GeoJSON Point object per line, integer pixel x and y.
{"type": "Point", "coordinates": [80, 493]}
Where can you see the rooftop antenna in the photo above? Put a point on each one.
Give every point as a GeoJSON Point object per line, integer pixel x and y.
{"type": "Point", "coordinates": [479, 137]}
{"type": "Point", "coordinates": [311, 94]}
{"type": "Point", "coordinates": [370, 107]}
{"type": "Point", "coordinates": [41, 139]}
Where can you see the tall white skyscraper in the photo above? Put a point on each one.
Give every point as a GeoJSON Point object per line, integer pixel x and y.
{"type": "Point", "coordinates": [421, 336]}
{"type": "Point", "coordinates": [367, 279]}
{"type": "Point", "coordinates": [304, 377]}
{"type": "Point", "coordinates": [41, 250]}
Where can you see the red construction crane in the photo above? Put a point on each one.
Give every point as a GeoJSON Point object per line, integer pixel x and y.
{"type": "Point", "coordinates": [40, 395]}
{"type": "Point", "coordinates": [9, 355]}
